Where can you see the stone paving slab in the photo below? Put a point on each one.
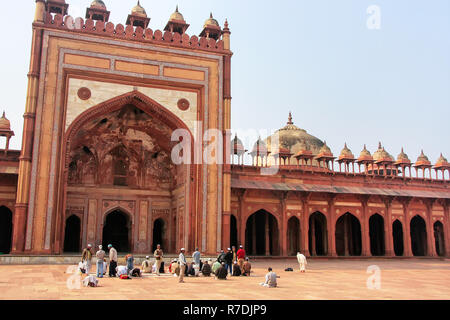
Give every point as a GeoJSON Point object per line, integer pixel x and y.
{"type": "Point", "coordinates": [334, 279]}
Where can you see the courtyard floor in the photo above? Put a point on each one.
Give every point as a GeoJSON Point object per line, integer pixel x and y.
{"type": "Point", "coordinates": [421, 279]}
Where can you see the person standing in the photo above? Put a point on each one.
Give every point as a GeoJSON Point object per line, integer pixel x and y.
{"type": "Point", "coordinates": [100, 257]}
{"type": "Point", "coordinates": [233, 249]}
{"type": "Point", "coordinates": [229, 261]}
{"type": "Point", "coordinates": [197, 256]}
{"type": "Point", "coordinates": [159, 258]}
{"type": "Point", "coordinates": [221, 256]}
{"type": "Point", "coordinates": [87, 258]}
{"type": "Point", "coordinates": [241, 256]}
{"type": "Point", "coordinates": [182, 262]}
{"type": "Point", "coordinates": [112, 260]}
{"type": "Point", "coordinates": [130, 262]}
{"type": "Point", "coordinates": [302, 262]}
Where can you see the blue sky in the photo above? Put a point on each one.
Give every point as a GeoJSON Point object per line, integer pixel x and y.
{"type": "Point", "coordinates": [342, 81]}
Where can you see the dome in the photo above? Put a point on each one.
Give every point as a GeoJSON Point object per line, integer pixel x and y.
{"type": "Point", "coordinates": [442, 162]}
{"type": "Point", "coordinates": [403, 158]}
{"type": "Point", "coordinates": [211, 21]}
{"type": "Point", "coordinates": [422, 159]}
{"type": "Point", "coordinates": [296, 139]}
{"type": "Point", "coordinates": [365, 155]}
{"type": "Point", "coordinates": [325, 150]}
{"type": "Point", "coordinates": [346, 153]}
{"type": "Point", "coordinates": [4, 123]}
{"type": "Point", "coordinates": [382, 155]}
{"type": "Point", "coordinates": [139, 10]}
{"type": "Point", "coordinates": [98, 4]}
{"type": "Point", "coordinates": [236, 146]}
{"type": "Point", "coordinates": [260, 147]}
{"type": "Point", "coordinates": [176, 15]}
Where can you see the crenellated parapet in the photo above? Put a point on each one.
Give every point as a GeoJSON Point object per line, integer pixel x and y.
{"type": "Point", "coordinates": [129, 32]}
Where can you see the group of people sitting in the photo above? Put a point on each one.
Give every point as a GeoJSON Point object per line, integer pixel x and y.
{"type": "Point", "coordinates": [207, 268]}
{"type": "Point", "coordinates": [232, 262]}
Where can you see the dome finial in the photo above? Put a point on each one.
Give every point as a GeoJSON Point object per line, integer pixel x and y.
{"type": "Point", "coordinates": [379, 145]}
{"type": "Point", "coordinates": [176, 9]}
{"type": "Point", "coordinates": [290, 118]}
{"type": "Point", "coordinates": [3, 115]}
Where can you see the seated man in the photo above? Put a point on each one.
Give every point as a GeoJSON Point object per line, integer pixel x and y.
{"type": "Point", "coordinates": [206, 269]}
{"type": "Point", "coordinates": [236, 270]}
{"type": "Point", "coordinates": [216, 266]}
{"type": "Point", "coordinates": [222, 272]}
{"type": "Point", "coordinates": [191, 270]}
{"type": "Point", "coordinates": [246, 268]}
{"type": "Point", "coordinates": [271, 279]}
{"type": "Point", "coordinates": [146, 265]}
{"type": "Point", "coordinates": [173, 266]}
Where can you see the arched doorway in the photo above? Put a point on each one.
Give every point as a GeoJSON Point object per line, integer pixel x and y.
{"type": "Point", "coordinates": [116, 231]}
{"type": "Point", "coordinates": [72, 234]}
{"type": "Point", "coordinates": [348, 235]}
{"type": "Point", "coordinates": [397, 234]}
{"type": "Point", "coordinates": [376, 233]}
{"type": "Point", "coordinates": [261, 234]}
{"type": "Point", "coordinates": [418, 236]}
{"type": "Point", "coordinates": [439, 238]}
{"type": "Point", "coordinates": [293, 236]}
{"type": "Point", "coordinates": [6, 228]}
{"type": "Point", "coordinates": [159, 234]}
{"type": "Point", "coordinates": [318, 234]}
{"type": "Point", "coordinates": [233, 231]}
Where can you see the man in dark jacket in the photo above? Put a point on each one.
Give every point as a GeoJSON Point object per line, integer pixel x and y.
{"type": "Point", "coordinates": [206, 269]}
{"type": "Point", "coordinates": [221, 256]}
{"type": "Point", "coordinates": [236, 270]}
{"type": "Point", "coordinates": [229, 260]}
{"type": "Point", "coordinates": [221, 273]}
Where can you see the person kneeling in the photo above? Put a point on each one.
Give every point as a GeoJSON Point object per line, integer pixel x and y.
{"type": "Point", "coordinates": [236, 270]}
{"type": "Point", "coordinates": [271, 279]}
{"type": "Point", "coordinates": [206, 269]}
{"type": "Point", "coordinates": [222, 272]}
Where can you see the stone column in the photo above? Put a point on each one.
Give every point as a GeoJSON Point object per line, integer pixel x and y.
{"type": "Point", "coordinates": [365, 236]}
{"type": "Point", "coordinates": [389, 239]}
{"type": "Point", "coordinates": [431, 244]}
{"type": "Point", "coordinates": [254, 234]}
{"type": "Point", "coordinates": [23, 183]}
{"type": "Point", "coordinates": [407, 234]}
{"type": "Point", "coordinates": [446, 228]}
{"type": "Point", "coordinates": [313, 238]}
{"type": "Point", "coordinates": [331, 229]}
{"type": "Point", "coordinates": [226, 217]}
{"type": "Point", "coordinates": [283, 227]}
{"type": "Point", "coordinates": [267, 235]}
{"type": "Point", "coordinates": [304, 227]}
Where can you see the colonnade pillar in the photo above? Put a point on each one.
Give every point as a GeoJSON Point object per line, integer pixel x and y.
{"type": "Point", "coordinates": [407, 233]}
{"type": "Point", "coordinates": [365, 234]}
{"type": "Point", "coordinates": [331, 229]}
{"type": "Point", "coordinates": [389, 239]}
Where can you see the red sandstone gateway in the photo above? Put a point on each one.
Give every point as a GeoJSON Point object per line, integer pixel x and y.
{"type": "Point", "coordinates": [95, 165]}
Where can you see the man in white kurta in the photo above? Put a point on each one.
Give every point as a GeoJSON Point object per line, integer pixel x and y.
{"type": "Point", "coordinates": [302, 262]}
